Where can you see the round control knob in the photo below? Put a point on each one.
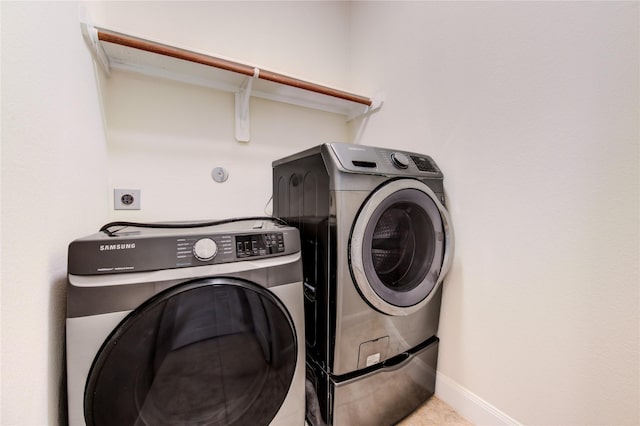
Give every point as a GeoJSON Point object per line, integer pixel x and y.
{"type": "Point", "coordinates": [205, 249]}
{"type": "Point", "coordinates": [400, 160]}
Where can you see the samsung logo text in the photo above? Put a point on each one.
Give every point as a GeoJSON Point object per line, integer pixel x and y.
{"type": "Point", "coordinates": [108, 247]}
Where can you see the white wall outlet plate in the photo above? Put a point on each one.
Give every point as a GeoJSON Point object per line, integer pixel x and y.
{"type": "Point", "coordinates": [126, 199]}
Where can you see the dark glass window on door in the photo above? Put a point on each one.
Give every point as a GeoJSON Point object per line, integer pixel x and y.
{"type": "Point", "coordinates": [211, 352]}
{"type": "Point", "coordinates": [402, 247]}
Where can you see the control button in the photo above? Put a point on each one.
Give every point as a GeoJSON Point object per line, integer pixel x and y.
{"type": "Point", "coordinates": [205, 249]}
{"type": "Point", "coordinates": [400, 160]}
{"type": "Point", "coordinates": [424, 164]}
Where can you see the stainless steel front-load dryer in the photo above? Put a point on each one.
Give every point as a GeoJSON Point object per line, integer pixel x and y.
{"type": "Point", "coordinates": [376, 245]}
{"type": "Point", "coordinates": [186, 324]}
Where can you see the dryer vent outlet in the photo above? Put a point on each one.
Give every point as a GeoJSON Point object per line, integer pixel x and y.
{"type": "Point", "coordinates": [126, 199]}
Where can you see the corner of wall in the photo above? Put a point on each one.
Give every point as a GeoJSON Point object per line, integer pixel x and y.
{"type": "Point", "coordinates": [469, 405]}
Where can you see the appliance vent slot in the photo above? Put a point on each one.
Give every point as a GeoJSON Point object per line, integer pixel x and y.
{"type": "Point", "coordinates": [368, 164]}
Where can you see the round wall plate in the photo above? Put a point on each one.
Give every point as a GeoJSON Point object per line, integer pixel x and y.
{"type": "Point", "coordinates": [220, 174]}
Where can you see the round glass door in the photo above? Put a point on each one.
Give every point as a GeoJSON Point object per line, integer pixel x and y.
{"type": "Point", "coordinates": [214, 351]}
{"type": "Point", "coordinates": [397, 246]}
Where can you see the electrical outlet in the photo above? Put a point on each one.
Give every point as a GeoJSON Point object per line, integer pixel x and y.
{"type": "Point", "coordinates": [126, 199]}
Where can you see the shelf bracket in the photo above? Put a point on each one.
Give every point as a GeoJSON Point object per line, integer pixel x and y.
{"type": "Point", "coordinates": [242, 108]}
{"type": "Point", "coordinates": [90, 34]}
{"type": "Point", "coordinates": [376, 104]}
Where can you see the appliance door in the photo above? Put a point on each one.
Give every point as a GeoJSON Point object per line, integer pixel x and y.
{"type": "Point", "coordinates": [214, 351]}
{"type": "Point", "coordinates": [401, 247]}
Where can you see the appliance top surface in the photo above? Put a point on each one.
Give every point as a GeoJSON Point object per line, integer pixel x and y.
{"type": "Point", "coordinates": [385, 161]}
{"type": "Point", "coordinates": [135, 249]}
{"type": "Point", "coordinates": [362, 159]}
{"type": "Point", "coordinates": [186, 229]}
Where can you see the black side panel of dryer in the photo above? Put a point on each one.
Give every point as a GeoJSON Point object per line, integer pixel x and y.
{"type": "Point", "coordinates": [301, 197]}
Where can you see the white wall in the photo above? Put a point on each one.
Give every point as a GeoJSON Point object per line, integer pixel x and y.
{"type": "Point", "coordinates": [54, 180]}
{"type": "Point", "coordinates": [165, 137]}
{"type": "Point", "coordinates": [531, 110]}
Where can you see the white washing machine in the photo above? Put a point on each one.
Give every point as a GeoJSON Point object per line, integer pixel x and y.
{"type": "Point", "coordinates": [186, 324]}
{"type": "Point", "coordinates": [377, 243]}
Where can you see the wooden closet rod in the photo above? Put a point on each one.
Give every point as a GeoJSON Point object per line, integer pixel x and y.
{"type": "Point", "coordinates": [212, 61]}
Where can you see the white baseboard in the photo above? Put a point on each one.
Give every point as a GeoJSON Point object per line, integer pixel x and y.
{"type": "Point", "coordinates": [469, 405]}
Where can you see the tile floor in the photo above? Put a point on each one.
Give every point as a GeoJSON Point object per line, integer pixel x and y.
{"type": "Point", "coordinates": [434, 413]}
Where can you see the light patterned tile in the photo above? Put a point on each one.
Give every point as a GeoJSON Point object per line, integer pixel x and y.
{"type": "Point", "coordinates": [434, 413]}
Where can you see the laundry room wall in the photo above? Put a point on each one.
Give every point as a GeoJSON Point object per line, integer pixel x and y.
{"type": "Point", "coordinates": [165, 137]}
{"type": "Point", "coordinates": [531, 111]}
{"type": "Point", "coordinates": [54, 177]}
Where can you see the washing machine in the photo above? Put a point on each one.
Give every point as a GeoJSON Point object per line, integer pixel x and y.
{"type": "Point", "coordinates": [377, 242]}
{"type": "Point", "coordinates": [186, 324]}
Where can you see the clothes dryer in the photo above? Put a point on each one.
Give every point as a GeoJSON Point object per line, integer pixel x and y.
{"type": "Point", "coordinates": [376, 244]}
{"type": "Point", "coordinates": [195, 324]}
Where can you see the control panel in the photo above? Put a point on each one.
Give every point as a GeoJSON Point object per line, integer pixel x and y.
{"type": "Point", "coordinates": [367, 159]}
{"type": "Point", "coordinates": [227, 248]}
{"type": "Point", "coordinates": [259, 244]}
{"type": "Point", "coordinates": [148, 250]}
